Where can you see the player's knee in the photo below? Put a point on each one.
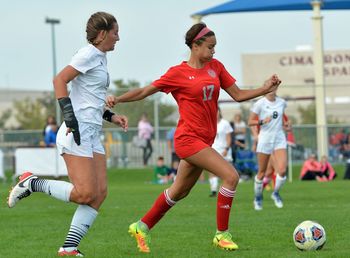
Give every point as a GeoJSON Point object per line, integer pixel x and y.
{"type": "Point", "coordinates": [231, 179]}
{"type": "Point", "coordinates": [103, 194]}
{"type": "Point", "coordinates": [87, 197]}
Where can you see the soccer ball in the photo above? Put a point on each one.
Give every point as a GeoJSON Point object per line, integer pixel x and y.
{"type": "Point", "coordinates": [309, 235]}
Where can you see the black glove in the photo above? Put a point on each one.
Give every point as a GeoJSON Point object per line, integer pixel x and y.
{"type": "Point", "coordinates": [69, 117]}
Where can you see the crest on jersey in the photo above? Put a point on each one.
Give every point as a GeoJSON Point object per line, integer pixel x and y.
{"type": "Point", "coordinates": [212, 73]}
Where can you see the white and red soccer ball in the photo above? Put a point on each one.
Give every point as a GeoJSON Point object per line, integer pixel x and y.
{"type": "Point", "coordinates": [309, 235]}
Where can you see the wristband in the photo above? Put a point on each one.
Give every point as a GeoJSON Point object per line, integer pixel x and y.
{"type": "Point", "coordinates": [107, 115]}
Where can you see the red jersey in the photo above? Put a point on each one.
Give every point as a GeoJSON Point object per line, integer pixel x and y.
{"type": "Point", "coordinates": [196, 92]}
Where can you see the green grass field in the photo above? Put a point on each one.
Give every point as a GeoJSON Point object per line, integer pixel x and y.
{"type": "Point", "coordinates": [37, 226]}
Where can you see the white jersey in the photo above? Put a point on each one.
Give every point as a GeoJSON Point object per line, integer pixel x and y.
{"type": "Point", "coordinates": [89, 88]}
{"type": "Point", "coordinates": [220, 142]}
{"type": "Point", "coordinates": [273, 130]}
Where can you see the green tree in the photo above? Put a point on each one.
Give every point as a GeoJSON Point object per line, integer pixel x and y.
{"type": "Point", "coordinates": [134, 110]}
{"type": "Point", "coordinates": [4, 117]}
{"type": "Point", "coordinates": [32, 114]}
{"type": "Point", "coordinates": [308, 115]}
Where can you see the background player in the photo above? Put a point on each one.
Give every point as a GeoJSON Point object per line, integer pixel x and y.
{"type": "Point", "coordinates": [268, 114]}
{"type": "Point", "coordinates": [222, 144]}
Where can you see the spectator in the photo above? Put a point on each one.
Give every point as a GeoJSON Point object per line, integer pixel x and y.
{"type": "Point", "coordinates": [161, 172]}
{"type": "Point", "coordinates": [347, 170]}
{"type": "Point", "coordinates": [50, 120]}
{"type": "Point", "coordinates": [50, 136]}
{"type": "Point", "coordinates": [170, 141]}
{"type": "Point", "coordinates": [312, 170]}
{"type": "Point", "coordinates": [345, 146]}
{"type": "Point", "coordinates": [233, 143]}
{"type": "Point", "coordinates": [327, 169]}
{"type": "Point", "coordinates": [173, 170]}
{"type": "Point", "coordinates": [145, 131]}
{"type": "Point", "coordinates": [240, 131]}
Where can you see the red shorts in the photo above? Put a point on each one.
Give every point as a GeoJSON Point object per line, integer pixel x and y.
{"type": "Point", "coordinates": [188, 146]}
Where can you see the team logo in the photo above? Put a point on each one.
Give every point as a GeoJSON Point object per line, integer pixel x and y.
{"type": "Point", "coordinates": [300, 236]}
{"type": "Point", "coordinates": [191, 77]}
{"type": "Point", "coordinates": [212, 73]}
{"type": "Point", "coordinates": [317, 233]}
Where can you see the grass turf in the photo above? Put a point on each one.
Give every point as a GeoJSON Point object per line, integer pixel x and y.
{"type": "Point", "coordinates": [37, 226]}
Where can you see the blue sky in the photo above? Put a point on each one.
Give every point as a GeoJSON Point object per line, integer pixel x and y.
{"type": "Point", "coordinates": [152, 36]}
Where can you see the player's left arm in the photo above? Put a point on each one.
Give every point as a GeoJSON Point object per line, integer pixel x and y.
{"type": "Point", "coordinates": [240, 95]}
{"type": "Point", "coordinates": [287, 125]}
{"type": "Point", "coordinates": [133, 95]}
{"type": "Point", "coordinates": [228, 144]}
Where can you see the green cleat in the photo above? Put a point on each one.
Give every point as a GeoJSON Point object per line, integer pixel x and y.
{"type": "Point", "coordinates": [224, 241]}
{"type": "Point", "coordinates": [140, 231]}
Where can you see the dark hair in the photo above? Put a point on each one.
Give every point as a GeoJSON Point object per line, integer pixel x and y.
{"type": "Point", "coordinates": [97, 22]}
{"type": "Point", "coordinates": [193, 32]}
{"type": "Point", "coordinates": [160, 158]}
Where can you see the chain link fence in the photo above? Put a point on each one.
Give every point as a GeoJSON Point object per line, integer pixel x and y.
{"type": "Point", "coordinates": [122, 153]}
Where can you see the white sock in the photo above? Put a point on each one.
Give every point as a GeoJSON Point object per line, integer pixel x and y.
{"type": "Point", "coordinates": [82, 220]}
{"type": "Point", "coordinates": [279, 182]}
{"type": "Point", "coordinates": [258, 186]}
{"type": "Point", "coordinates": [59, 189]}
{"type": "Point", "coordinates": [214, 183]}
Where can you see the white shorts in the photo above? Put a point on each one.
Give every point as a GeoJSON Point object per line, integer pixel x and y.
{"type": "Point", "coordinates": [267, 147]}
{"type": "Point", "coordinates": [89, 141]}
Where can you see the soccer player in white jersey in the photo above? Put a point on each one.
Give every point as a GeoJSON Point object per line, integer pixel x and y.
{"type": "Point", "coordinates": [268, 113]}
{"type": "Point", "coordinates": [78, 139]}
{"type": "Point", "coordinates": [222, 144]}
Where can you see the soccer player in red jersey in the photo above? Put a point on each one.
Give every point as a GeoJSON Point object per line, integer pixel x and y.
{"type": "Point", "coordinates": [195, 85]}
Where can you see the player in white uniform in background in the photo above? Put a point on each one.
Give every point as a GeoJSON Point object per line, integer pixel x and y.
{"type": "Point", "coordinates": [78, 139]}
{"type": "Point", "coordinates": [267, 113]}
{"type": "Point", "coordinates": [222, 144]}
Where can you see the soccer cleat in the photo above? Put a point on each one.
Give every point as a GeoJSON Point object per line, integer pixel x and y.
{"type": "Point", "coordinates": [212, 194]}
{"type": "Point", "coordinates": [21, 189]}
{"type": "Point", "coordinates": [258, 203]}
{"type": "Point", "coordinates": [142, 237]}
{"type": "Point", "coordinates": [75, 252]}
{"type": "Point", "coordinates": [224, 241]}
{"type": "Point", "coordinates": [277, 199]}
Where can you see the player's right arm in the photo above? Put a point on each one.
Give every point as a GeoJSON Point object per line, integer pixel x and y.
{"type": "Point", "coordinates": [133, 95]}
{"type": "Point", "coordinates": [62, 79]}
{"type": "Point", "coordinates": [60, 83]}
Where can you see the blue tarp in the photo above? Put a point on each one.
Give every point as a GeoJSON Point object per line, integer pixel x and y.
{"type": "Point", "coordinates": [272, 5]}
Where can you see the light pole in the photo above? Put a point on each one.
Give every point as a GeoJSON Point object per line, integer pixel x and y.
{"type": "Point", "coordinates": [53, 22]}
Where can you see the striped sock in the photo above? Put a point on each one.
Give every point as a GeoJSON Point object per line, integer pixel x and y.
{"type": "Point", "coordinates": [223, 208]}
{"type": "Point", "coordinates": [82, 220]}
{"type": "Point", "coordinates": [158, 210]}
{"type": "Point", "coordinates": [59, 189]}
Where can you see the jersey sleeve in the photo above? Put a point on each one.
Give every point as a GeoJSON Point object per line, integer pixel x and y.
{"type": "Point", "coordinates": [226, 79]}
{"type": "Point", "coordinates": [256, 108]}
{"type": "Point", "coordinates": [82, 63]}
{"type": "Point", "coordinates": [169, 81]}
